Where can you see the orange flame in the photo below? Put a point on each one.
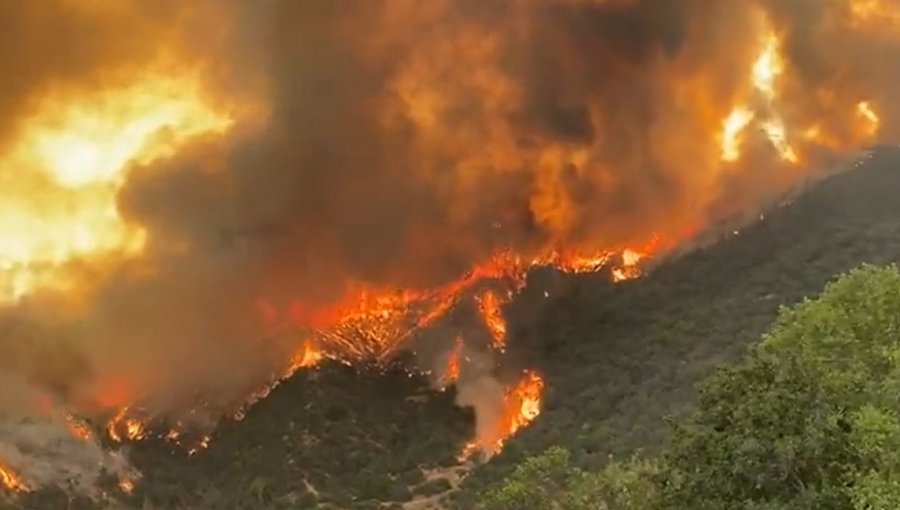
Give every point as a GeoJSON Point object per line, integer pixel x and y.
{"type": "Point", "coordinates": [454, 361]}
{"type": "Point", "coordinates": [521, 406]}
{"type": "Point", "coordinates": [308, 356]}
{"type": "Point", "coordinates": [734, 125]}
{"type": "Point", "coordinates": [768, 67]}
{"type": "Point", "coordinates": [78, 428]}
{"type": "Point", "coordinates": [489, 305]}
{"type": "Point", "coordinates": [11, 480]}
{"type": "Point", "coordinates": [201, 445]}
{"type": "Point", "coordinates": [629, 268]}
{"type": "Point", "coordinates": [372, 324]}
{"type": "Point", "coordinates": [81, 148]}
{"type": "Point", "coordinates": [124, 427]}
{"type": "Point", "coordinates": [864, 108]}
{"type": "Point", "coordinates": [126, 485]}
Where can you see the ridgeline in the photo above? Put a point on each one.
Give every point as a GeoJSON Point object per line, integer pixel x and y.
{"type": "Point", "coordinates": [616, 358]}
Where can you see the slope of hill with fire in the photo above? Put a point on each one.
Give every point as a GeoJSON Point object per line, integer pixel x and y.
{"type": "Point", "coordinates": [374, 202]}
{"type": "Point", "coordinates": [615, 358]}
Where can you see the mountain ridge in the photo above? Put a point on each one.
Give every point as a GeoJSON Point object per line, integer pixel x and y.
{"type": "Point", "coordinates": [617, 359]}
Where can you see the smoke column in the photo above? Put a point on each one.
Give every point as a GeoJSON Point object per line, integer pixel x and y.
{"type": "Point", "coordinates": [291, 152]}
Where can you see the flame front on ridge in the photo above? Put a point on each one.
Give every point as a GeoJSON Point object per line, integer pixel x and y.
{"type": "Point", "coordinates": [531, 113]}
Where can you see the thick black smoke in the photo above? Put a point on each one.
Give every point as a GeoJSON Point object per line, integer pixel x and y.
{"type": "Point", "coordinates": [398, 143]}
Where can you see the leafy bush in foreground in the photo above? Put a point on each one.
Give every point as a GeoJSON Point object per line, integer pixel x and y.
{"type": "Point", "coordinates": [809, 420]}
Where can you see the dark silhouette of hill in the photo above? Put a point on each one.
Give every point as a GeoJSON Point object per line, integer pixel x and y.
{"type": "Point", "coordinates": [616, 359]}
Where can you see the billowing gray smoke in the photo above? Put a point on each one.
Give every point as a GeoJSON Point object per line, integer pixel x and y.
{"type": "Point", "coordinates": [397, 143]}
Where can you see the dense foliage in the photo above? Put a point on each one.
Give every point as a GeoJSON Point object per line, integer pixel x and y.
{"type": "Point", "coordinates": [617, 359]}
{"type": "Point", "coordinates": [549, 481]}
{"type": "Point", "coordinates": [810, 420]}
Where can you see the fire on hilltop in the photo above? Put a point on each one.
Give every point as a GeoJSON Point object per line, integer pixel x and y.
{"type": "Point", "coordinates": [70, 218]}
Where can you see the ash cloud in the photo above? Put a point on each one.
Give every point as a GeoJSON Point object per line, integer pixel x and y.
{"type": "Point", "coordinates": [405, 141]}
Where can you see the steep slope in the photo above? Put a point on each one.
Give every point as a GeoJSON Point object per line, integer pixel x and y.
{"type": "Point", "coordinates": [616, 359]}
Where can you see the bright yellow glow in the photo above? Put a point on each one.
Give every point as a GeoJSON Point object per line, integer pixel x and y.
{"type": "Point", "coordinates": [865, 109]}
{"type": "Point", "coordinates": [775, 131]}
{"type": "Point", "coordinates": [734, 125]}
{"type": "Point", "coordinates": [767, 67]}
{"type": "Point", "coordinates": [61, 176]}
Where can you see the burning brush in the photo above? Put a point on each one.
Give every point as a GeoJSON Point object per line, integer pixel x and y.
{"type": "Point", "coordinates": [411, 163]}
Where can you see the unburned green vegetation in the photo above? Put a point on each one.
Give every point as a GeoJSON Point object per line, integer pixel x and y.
{"type": "Point", "coordinates": [809, 420]}
{"type": "Point", "coordinates": [617, 361]}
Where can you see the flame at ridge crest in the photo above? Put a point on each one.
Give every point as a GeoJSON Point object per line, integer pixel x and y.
{"type": "Point", "coordinates": [762, 107]}
{"type": "Point", "coordinates": [560, 153]}
{"type": "Point", "coordinates": [768, 67]}
{"type": "Point", "coordinates": [371, 324]}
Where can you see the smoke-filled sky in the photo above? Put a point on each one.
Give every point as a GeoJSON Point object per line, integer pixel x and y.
{"type": "Point", "coordinates": [167, 165]}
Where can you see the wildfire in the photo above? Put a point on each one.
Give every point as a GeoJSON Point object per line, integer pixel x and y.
{"type": "Point", "coordinates": [62, 177]}
{"type": "Point", "coordinates": [126, 485]}
{"type": "Point", "coordinates": [78, 428]}
{"type": "Point", "coordinates": [123, 426]}
{"type": "Point", "coordinates": [452, 373]}
{"type": "Point", "coordinates": [489, 305]}
{"type": "Point", "coordinates": [372, 325]}
{"type": "Point", "coordinates": [864, 12]}
{"type": "Point", "coordinates": [69, 158]}
{"type": "Point", "coordinates": [764, 74]}
{"type": "Point", "coordinates": [308, 356]}
{"type": "Point", "coordinates": [523, 405]}
{"type": "Point", "coordinates": [767, 67]}
{"type": "Point", "coordinates": [864, 108]}
{"type": "Point", "coordinates": [775, 130]}
{"type": "Point", "coordinates": [11, 480]}
{"type": "Point", "coordinates": [734, 125]}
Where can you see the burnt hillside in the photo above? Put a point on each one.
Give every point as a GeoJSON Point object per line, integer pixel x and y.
{"type": "Point", "coordinates": [616, 360]}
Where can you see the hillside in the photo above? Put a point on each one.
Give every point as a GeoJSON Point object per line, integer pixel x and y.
{"type": "Point", "coordinates": [616, 360]}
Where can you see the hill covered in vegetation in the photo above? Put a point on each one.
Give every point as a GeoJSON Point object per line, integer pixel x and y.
{"type": "Point", "coordinates": [616, 359]}
{"type": "Point", "coordinates": [619, 359]}
{"type": "Point", "coordinates": [807, 419]}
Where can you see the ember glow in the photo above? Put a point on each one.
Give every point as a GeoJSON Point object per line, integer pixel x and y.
{"type": "Point", "coordinates": [123, 426]}
{"type": "Point", "coordinates": [186, 221]}
{"type": "Point", "coordinates": [452, 373]}
{"type": "Point", "coordinates": [489, 305]}
{"type": "Point", "coordinates": [11, 480]}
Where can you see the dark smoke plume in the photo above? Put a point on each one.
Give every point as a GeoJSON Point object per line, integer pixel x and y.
{"type": "Point", "coordinates": [399, 143]}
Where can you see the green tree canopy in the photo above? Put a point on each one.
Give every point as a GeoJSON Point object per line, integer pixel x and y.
{"type": "Point", "coordinates": [549, 481]}
{"type": "Point", "coordinates": [810, 419]}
